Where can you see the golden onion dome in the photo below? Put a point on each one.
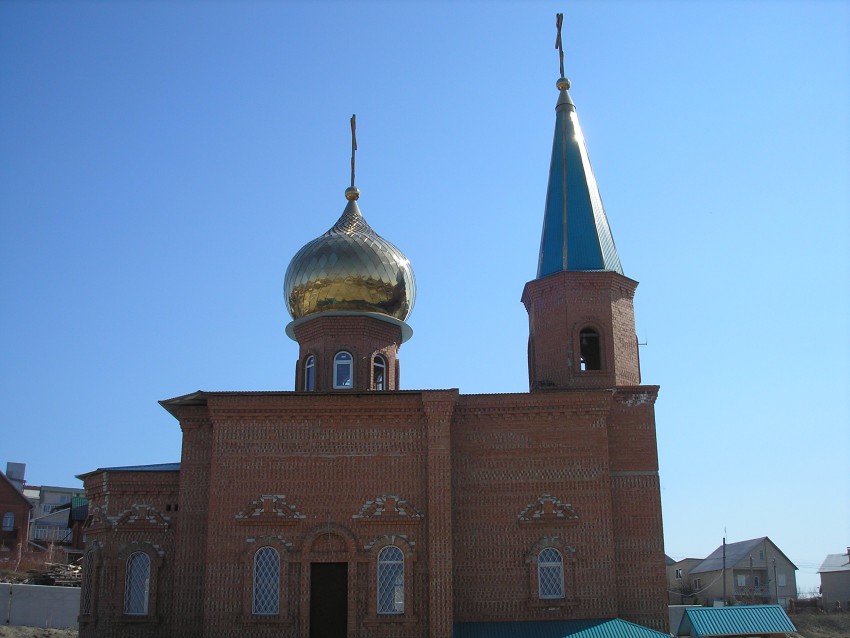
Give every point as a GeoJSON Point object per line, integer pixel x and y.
{"type": "Point", "coordinates": [350, 269]}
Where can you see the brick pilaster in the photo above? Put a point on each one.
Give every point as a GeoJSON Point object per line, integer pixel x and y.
{"type": "Point", "coordinates": [439, 408]}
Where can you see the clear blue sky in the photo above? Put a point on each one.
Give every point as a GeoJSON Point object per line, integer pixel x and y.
{"type": "Point", "coordinates": [160, 163]}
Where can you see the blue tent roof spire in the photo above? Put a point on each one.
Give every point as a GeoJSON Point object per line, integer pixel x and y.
{"type": "Point", "coordinates": [576, 234]}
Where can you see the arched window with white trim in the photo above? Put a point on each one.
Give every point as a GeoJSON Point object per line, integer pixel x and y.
{"type": "Point", "coordinates": [391, 581]}
{"type": "Point", "coordinates": [137, 584]}
{"type": "Point", "coordinates": [343, 371]}
{"type": "Point", "coordinates": [266, 592]}
{"type": "Point", "coordinates": [550, 573]}
{"type": "Point", "coordinates": [379, 373]}
{"type": "Point", "coordinates": [310, 373]}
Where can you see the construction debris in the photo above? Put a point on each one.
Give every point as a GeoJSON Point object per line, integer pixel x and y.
{"type": "Point", "coordinates": [55, 574]}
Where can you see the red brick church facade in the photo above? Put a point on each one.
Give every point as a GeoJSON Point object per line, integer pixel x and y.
{"type": "Point", "coordinates": [349, 507]}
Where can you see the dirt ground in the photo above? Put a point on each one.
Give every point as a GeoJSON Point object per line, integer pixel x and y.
{"type": "Point", "coordinates": [811, 625]}
{"type": "Point", "coordinates": [33, 632]}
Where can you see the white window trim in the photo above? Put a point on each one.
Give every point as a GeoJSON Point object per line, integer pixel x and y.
{"type": "Point", "coordinates": [310, 371]}
{"type": "Point", "coordinates": [338, 363]}
{"type": "Point", "coordinates": [380, 363]}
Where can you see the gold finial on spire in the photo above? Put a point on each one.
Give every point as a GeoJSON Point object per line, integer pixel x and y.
{"type": "Point", "coordinates": [352, 192]}
{"type": "Point", "coordinates": [563, 83]}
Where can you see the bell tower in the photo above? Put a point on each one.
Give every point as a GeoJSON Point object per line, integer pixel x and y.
{"type": "Point", "coordinates": [580, 305]}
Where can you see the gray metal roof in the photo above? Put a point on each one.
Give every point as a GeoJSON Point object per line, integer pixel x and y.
{"type": "Point", "coordinates": [158, 467]}
{"type": "Point", "coordinates": [741, 620]}
{"type": "Point", "coordinates": [735, 553]}
{"type": "Point", "coordinates": [835, 563]}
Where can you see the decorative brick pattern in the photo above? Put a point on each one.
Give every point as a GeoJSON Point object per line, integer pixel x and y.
{"type": "Point", "coordinates": [548, 509]}
{"type": "Point", "coordinates": [269, 510]}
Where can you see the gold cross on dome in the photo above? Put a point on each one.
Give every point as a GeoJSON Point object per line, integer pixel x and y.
{"type": "Point", "coordinates": [353, 145]}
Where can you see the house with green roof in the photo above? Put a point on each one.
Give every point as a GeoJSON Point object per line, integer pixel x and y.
{"type": "Point", "coordinates": [750, 621]}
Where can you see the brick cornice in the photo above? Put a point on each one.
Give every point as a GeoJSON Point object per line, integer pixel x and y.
{"type": "Point", "coordinates": [550, 402]}
{"type": "Point", "coordinates": [577, 281]}
{"type": "Point", "coordinates": [636, 394]}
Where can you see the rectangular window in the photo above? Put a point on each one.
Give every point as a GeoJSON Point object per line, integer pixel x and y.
{"type": "Point", "coordinates": [678, 574]}
{"type": "Point", "coordinates": [697, 584]}
{"type": "Point", "coordinates": [741, 580]}
{"type": "Point", "coordinates": [342, 370]}
{"type": "Point", "coordinates": [780, 580]}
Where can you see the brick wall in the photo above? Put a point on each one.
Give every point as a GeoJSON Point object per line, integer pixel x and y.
{"type": "Point", "coordinates": [512, 453]}
{"type": "Point", "coordinates": [334, 478]}
{"type": "Point", "coordinates": [469, 487]}
{"type": "Point", "coordinates": [11, 500]}
{"type": "Point", "coordinates": [362, 336]}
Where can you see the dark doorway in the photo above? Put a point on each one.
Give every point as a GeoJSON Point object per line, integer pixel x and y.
{"type": "Point", "coordinates": [328, 600]}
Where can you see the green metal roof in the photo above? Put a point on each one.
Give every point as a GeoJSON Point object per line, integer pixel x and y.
{"type": "Point", "coordinates": [741, 620]}
{"type": "Point", "coordinates": [576, 234]}
{"type": "Point", "coordinates": [611, 628]}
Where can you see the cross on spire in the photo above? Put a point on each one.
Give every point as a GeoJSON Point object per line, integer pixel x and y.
{"type": "Point", "coordinates": [559, 21]}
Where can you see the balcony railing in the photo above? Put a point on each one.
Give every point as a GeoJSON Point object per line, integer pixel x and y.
{"type": "Point", "coordinates": [762, 591]}
{"type": "Point", "coordinates": [51, 534]}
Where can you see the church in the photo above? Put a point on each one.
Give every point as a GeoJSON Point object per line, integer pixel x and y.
{"type": "Point", "coordinates": [351, 507]}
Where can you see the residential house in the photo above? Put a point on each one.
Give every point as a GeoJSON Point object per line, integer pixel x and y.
{"type": "Point", "coordinates": [50, 498]}
{"type": "Point", "coordinates": [15, 510]}
{"type": "Point", "coordinates": [754, 571]}
{"type": "Point", "coordinates": [52, 524]}
{"type": "Point", "coordinates": [835, 581]}
{"type": "Point", "coordinates": [682, 589]}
